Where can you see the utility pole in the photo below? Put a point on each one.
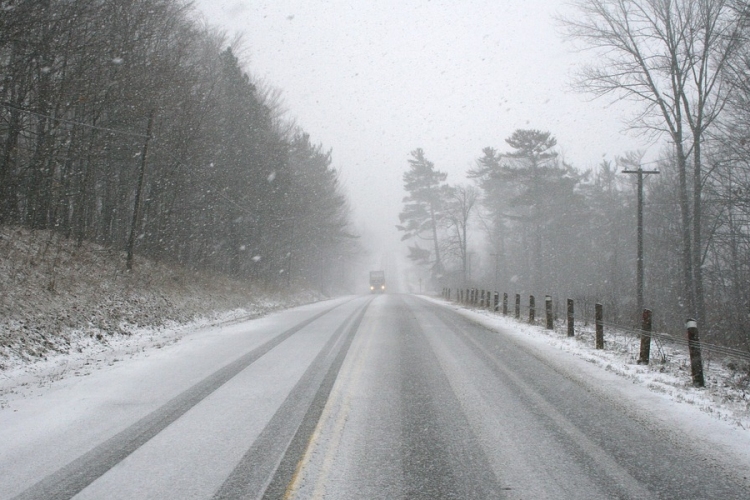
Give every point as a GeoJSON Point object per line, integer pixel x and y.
{"type": "Point", "coordinates": [639, 272]}
{"type": "Point", "coordinates": [289, 264]}
{"type": "Point", "coordinates": [496, 256]}
{"type": "Point", "coordinates": [136, 209]}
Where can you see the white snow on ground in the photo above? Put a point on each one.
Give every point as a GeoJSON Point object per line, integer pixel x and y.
{"type": "Point", "coordinates": [717, 416]}
{"type": "Point", "coordinates": [54, 419]}
{"type": "Point", "coordinates": [87, 353]}
{"type": "Point", "coordinates": [68, 309]}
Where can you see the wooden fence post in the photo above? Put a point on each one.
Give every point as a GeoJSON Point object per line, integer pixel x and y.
{"type": "Point", "coordinates": [645, 353]}
{"type": "Point", "coordinates": [505, 303]}
{"type": "Point", "coordinates": [481, 301]}
{"type": "Point", "coordinates": [694, 346]}
{"type": "Point", "coordinates": [548, 312]}
{"type": "Point", "coordinates": [532, 309]}
{"type": "Point", "coordinates": [496, 302]}
{"type": "Point", "coordinates": [571, 318]}
{"type": "Point", "coordinates": [518, 306]}
{"type": "Point", "coordinates": [599, 326]}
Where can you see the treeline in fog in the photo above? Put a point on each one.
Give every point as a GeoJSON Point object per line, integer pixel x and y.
{"type": "Point", "coordinates": [528, 222]}
{"type": "Point", "coordinates": [108, 106]}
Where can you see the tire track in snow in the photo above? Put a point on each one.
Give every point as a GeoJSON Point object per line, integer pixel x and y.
{"type": "Point", "coordinates": [78, 474]}
{"type": "Point", "coordinates": [269, 465]}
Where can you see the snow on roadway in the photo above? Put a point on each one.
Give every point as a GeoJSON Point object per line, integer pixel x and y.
{"type": "Point", "coordinates": [713, 416]}
{"type": "Point", "coordinates": [664, 395]}
{"type": "Point", "coordinates": [55, 410]}
{"type": "Point", "coordinates": [87, 354]}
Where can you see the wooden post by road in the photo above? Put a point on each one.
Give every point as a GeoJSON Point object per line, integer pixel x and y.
{"type": "Point", "coordinates": [497, 302]}
{"type": "Point", "coordinates": [548, 312]}
{"type": "Point", "coordinates": [599, 326]}
{"type": "Point", "coordinates": [505, 304]}
{"type": "Point", "coordinates": [532, 309]}
{"type": "Point", "coordinates": [645, 353]}
{"type": "Point", "coordinates": [571, 318]}
{"type": "Point", "coordinates": [518, 306]}
{"type": "Point", "coordinates": [694, 346]}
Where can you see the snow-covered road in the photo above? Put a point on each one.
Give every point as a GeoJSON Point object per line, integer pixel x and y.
{"type": "Point", "coordinates": [387, 396]}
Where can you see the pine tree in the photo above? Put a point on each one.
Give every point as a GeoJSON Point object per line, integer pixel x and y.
{"type": "Point", "coordinates": [423, 208]}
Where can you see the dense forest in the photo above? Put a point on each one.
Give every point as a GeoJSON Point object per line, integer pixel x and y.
{"type": "Point", "coordinates": [526, 221]}
{"type": "Point", "coordinates": [132, 124]}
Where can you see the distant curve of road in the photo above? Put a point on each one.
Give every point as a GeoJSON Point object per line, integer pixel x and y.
{"type": "Point", "coordinates": [376, 397]}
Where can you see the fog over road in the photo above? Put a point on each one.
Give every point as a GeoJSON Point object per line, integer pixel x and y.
{"type": "Point", "coordinates": [387, 396]}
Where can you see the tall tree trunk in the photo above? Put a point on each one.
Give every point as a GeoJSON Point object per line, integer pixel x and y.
{"type": "Point", "coordinates": [700, 305]}
{"type": "Point", "coordinates": [12, 86]}
{"type": "Point", "coordinates": [438, 269]}
{"type": "Point", "coordinates": [8, 184]}
{"type": "Point", "coordinates": [40, 184]}
{"type": "Point", "coordinates": [688, 293]}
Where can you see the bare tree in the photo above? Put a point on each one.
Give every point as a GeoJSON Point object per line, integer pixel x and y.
{"type": "Point", "coordinates": [667, 55]}
{"type": "Point", "coordinates": [460, 203]}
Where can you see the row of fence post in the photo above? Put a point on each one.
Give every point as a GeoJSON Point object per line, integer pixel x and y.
{"type": "Point", "coordinates": [487, 299]}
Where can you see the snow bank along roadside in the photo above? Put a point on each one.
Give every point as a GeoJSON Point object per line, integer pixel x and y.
{"type": "Point", "coordinates": [85, 352]}
{"type": "Point", "coordinates": [65, 308]}
{"type": "Point", "coordinates": [716, 418]}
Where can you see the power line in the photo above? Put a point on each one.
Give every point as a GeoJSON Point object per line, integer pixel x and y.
{"type": "Point", "coordinates": [72, 122]}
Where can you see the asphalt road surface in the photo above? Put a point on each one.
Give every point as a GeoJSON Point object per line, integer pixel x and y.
{"type": "Point", "coordinates": [381, 397]}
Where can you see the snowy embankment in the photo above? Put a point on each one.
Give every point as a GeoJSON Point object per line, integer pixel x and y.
{"type": "Point", "coordinates": [65, 309]}
{"type": "Point", "coordinates": [717, 416]}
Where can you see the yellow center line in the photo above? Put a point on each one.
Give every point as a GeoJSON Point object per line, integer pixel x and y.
{"type": "Point", "coordinates": [349, 376]}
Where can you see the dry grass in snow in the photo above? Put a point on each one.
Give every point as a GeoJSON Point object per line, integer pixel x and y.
{"type": "Point", "coordinates": [58, 299]}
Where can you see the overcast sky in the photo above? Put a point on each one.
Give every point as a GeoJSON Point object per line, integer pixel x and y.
{"type": "Point", "coordinates": [373, 80]}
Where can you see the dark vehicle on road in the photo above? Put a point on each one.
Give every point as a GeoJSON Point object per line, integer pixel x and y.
{"type": "Point", "coordinates": [377, 281]}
